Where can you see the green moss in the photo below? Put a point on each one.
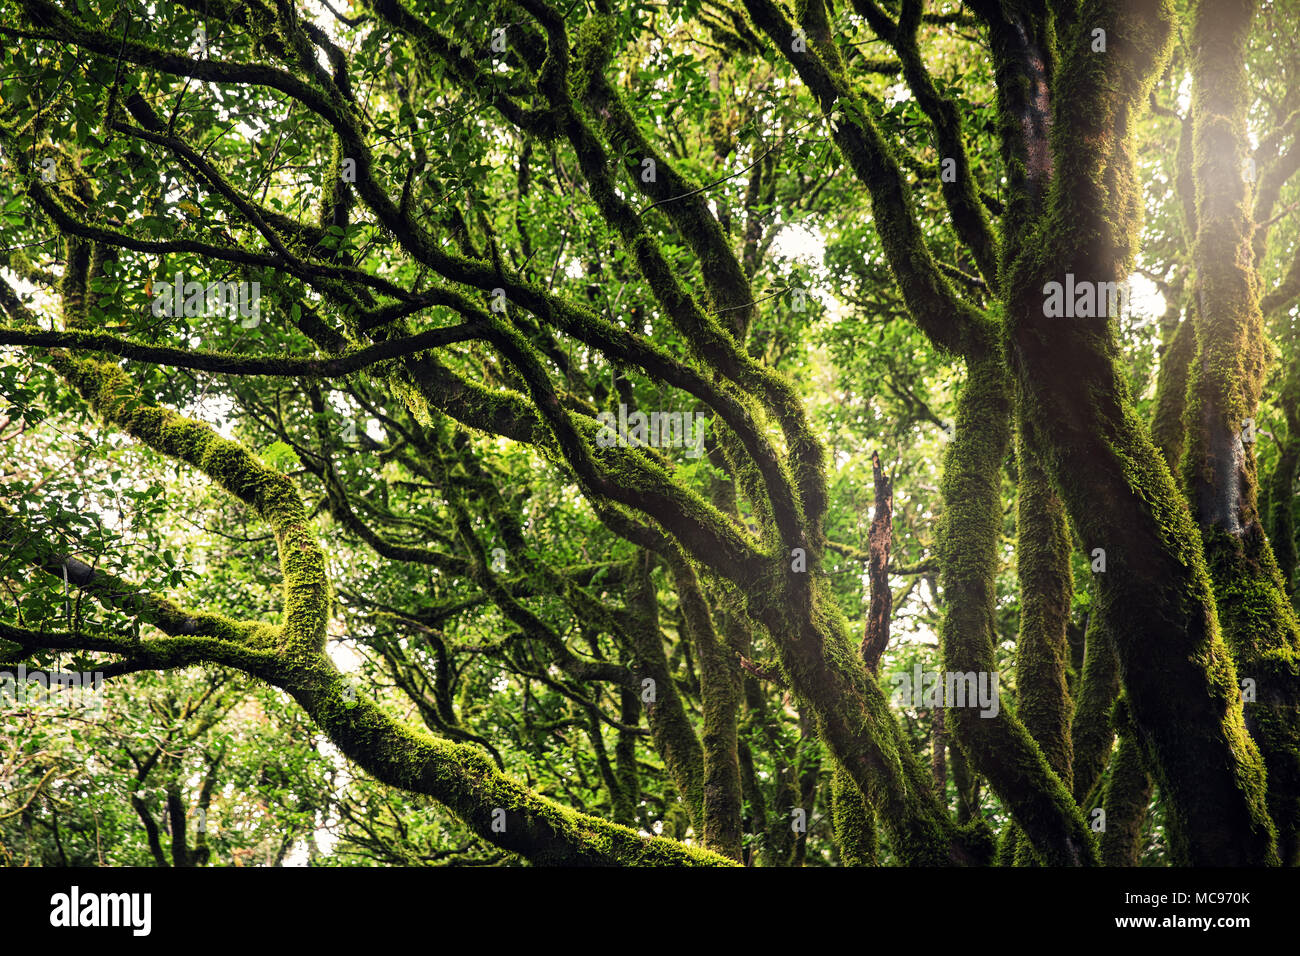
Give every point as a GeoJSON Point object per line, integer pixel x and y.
{"type": "Point", "coordinates": [852, 714]}
{"type": "Point", "coordinates": [1009, 846]}
{"type": "Point", "coordinates": [593, 46]}
{"type": "Point", "coordinates": [469, 784]}
{"type": "Point", "coordinates": [1092, 734]}
{"type": "Point", "coordinates": [720, 700]}
{"type": "Point", "coordinates": [853, 823]}
{"type": "Point", "coordinates": [1171, 393]}
{"type": "Point", "coordinates": [671, 728]}
{"type": "Point", "coordinates": [271, 494]}
{"type": "Point", "coordinates": [1156, 593]}
{"type": "Point", "coordinates": [1280, 509]}
{"type": "Point", "coordinates": [1128, 794]}
{"type": "Point", "coordinates": [1000, 747]}
{"type": "Point", "coordinates": [1225, 383]}
{"type": "Point", "coordinates": [1046, 589]}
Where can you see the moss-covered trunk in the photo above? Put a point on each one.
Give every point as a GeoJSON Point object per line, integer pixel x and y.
{"type": "Point", "coordinates": [720, 697]}
{"type": "Point", "coordinates": [671, 728]}
{"type": "Point", "coordinates": [1281, 505]}
{"type": "Point", "coordinates": [1224, 387]}
{"type": "Point", "coordinates": [1046, 587]}
{"type": "Point", "coordinates": [853, 824]}
{"type": "Point", "coordinates": [1092, 733]}
{"type": "Point", "coordinates": [854, 720]}
{"type": "Point", "coordinates": [1042, 645]}
{"type": "Point", "coordinates": [998, 744]}
{"type": "Point", "coordinates": [1128, 794]}
{"type": "Point", "coordinates": [1171, 392]}
{"type": "Point", "coordinates": [1155, 591]}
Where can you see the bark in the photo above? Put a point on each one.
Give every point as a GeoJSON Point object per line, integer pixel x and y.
{"type": "Point", "coordinates": [1046, 589]}
{"type": "Point", "coordinates": [755, 816]}
{"type": "Point", "coordinates": [999, 746]}
{"type": "Point", "coordinates": [1117, 489]}
{"type": "Point", "coordinates": [627, 793]}
{"type": "Point", "coordinates": [967, 784]}
{"type": "Point", "coordinates": [1042, 649]}
{"type": "Point", "coordinates": [1227, 377]}
{"type": "Point", "coordinates": [879, 538]}
{"type": "Point", "coordinates": [671, 728]}
{"type": "Point", "coordinates": [1281, 486]}
{"type": "Point", "coordinates": [1171, 392]}
{"type": "Point", "coordinates": [720, 694]}
{"type": "Point", "coordinates": [807, 774]}
{"type": "Point", "coordinates": [938, 753]}
{"type": "Point", "coordinates": [1128, 795]}
{"type": "Point", "coordinates": [1093, 735]}
{"type": "Point", "coordinates": [777, 838]}
{"type": "Point", "coordinates": [852, 819]}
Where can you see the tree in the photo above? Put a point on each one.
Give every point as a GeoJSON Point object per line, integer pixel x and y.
{"type": "Point", "coordinates": [514, 375]}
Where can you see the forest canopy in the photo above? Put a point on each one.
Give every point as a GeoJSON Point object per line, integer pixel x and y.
{"type": "Point", "coordinates": [662, 433]}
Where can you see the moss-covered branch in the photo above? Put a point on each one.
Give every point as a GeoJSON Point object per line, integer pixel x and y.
{"type": "Point", "coordinates": [457, 775]}
{"type": "Point", "coordinates": [949, 322]}
{"type": "Point", "coordinates": [353, 360]}
{"type": "Point", "coordinates": [996, 741]}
